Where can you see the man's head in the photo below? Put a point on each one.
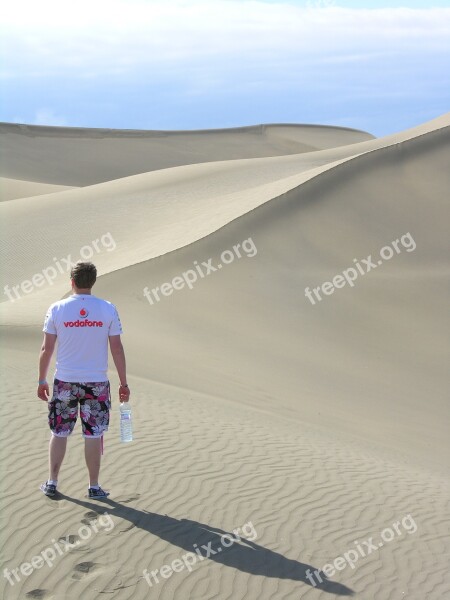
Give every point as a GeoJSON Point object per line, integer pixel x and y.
{"type": "Point", "coordinates": [83, 275]}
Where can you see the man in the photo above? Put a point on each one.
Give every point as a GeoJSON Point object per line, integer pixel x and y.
{"type": "Point", "coordinates": [82, 324]}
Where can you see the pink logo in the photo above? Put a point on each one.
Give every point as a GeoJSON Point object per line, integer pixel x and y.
{"type": "Point", "coordinates": [79, 323]}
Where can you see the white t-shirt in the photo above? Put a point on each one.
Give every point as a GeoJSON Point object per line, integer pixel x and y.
{"type": "Point", "coordinates": [83, 324]}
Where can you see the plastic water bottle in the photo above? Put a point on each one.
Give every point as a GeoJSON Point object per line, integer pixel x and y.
{"type": "Point", "coordinates": [126, 430]}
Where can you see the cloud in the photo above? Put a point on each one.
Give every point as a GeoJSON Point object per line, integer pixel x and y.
{"type": "Point", "coordinates": [263, 61]}
{"type": "Point", "coordinates": [43, 116]}
{"type": "Point", "coordinates": [46, 116]}
{"type": "Point", "coordinates": [118, 37]}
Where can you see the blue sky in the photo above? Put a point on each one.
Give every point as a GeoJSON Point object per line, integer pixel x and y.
{"type": "Point", "coordinates": [192, 64]}
{"type": "Point", "coordinates": [370, 3]}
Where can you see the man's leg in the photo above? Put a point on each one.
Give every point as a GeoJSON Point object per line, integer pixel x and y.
{"type": "Point", "coordinates": [94, 412]}
{"type": "Point", "coordinates": [57, 451]}
{"type": "Point", "coordinates": [62, 416]}
{"type": "Point", "coordinates": [92, 454]}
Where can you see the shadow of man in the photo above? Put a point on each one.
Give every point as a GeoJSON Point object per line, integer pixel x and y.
{"type": "Point", "coordinates": [205, 542]}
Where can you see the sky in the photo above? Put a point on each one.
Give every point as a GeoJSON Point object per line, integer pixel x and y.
{"type": "Point", "coordinates": [200, 64]}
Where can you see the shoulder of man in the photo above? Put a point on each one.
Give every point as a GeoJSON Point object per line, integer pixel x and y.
{"type": "Point", "coordinates": [57, 304]}
{"type": "Point", "coordinates": [109, 307]}
{"type": "Point", "coordinates": [109, 304]}
{"type": "Point", "coordinates": [52, 307]}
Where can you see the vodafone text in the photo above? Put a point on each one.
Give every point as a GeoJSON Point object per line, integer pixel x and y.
{"type": "Point", "coordinates": [83, 323]}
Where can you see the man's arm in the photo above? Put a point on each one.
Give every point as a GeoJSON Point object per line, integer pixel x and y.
{"type": "Point", "coordinates": [45, 356]}
{"type": "Point", "coordinates": [118, 355]}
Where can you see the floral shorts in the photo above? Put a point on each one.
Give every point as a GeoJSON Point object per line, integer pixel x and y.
{"type": "Point", "coordinates": [94, 400]}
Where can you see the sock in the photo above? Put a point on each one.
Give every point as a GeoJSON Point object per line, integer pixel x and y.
{"type": "Point", "coordinates": [52, 482]}
{"type": "Point", "coordinates": [94, 487]}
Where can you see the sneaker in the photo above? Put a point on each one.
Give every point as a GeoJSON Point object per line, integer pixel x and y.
{"type": "Point", "coordinates": [97, 493]}
{"type": "Point", "coordinates": [48, 488]}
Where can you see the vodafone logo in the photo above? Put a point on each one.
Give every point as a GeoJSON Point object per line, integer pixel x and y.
{"type": "Point", "coordinates": [83, 321]}
{"type": "Point", "coordinates": [79, 323]}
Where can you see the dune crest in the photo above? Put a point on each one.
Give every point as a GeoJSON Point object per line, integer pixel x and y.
{"type": "Point", "coordinates": [77, 156]}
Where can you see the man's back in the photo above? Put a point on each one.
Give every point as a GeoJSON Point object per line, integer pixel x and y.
{"type": "Point", "coordinates": [82, 324]}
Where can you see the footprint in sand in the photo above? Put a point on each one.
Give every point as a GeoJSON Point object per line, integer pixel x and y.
{"type": "Point", "coordinates": [71, 538]}
{"type": "Point", "coordinates": [65, 540]}
{"type": "Point", "coordinates": [127, 500]}
{"type": "Point", "coordinates": [91, 516]}
{"type": "Point", "coordinates": [38, 593]}
{"type": "Point", "coordinates": [84, 568]}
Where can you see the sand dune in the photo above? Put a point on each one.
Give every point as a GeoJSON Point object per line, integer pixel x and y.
{"type": "Point", "coordinates": [320, 423]}
{"type": "Point", "coordinates": [10, 189]}
{"type": "Point", "coordinates": [166, 209]}
{"type": "Point", "coordinates": [77, 156]}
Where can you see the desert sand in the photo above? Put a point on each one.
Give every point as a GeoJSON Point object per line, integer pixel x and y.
{"type": "Point", "coordinates": [323, 423]}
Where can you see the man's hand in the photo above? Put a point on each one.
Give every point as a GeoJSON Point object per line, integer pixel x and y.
{"type": "Point", "coordinates": [124, 393]}
{"type": "Point", "coordinates": [43, 392]}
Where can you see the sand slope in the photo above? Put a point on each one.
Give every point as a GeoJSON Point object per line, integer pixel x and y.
{"type": "Point", "coordinates": [10, 189]}
{"type": "Point", "coordinates": [321, 424]}
{"type": "Point", "coordinates": [78, 156]}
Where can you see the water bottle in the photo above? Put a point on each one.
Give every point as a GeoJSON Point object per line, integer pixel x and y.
{"type": "Point", "coordinates": [126, 430]}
